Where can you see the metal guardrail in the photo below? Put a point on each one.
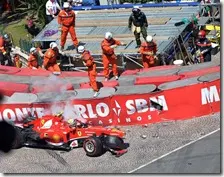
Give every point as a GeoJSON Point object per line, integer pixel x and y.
{"type": "Point", "coordinates": [117, 6]}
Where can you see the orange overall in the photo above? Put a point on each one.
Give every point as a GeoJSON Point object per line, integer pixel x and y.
{"type": "Point", "coordinates": [148, 59]}
{"type": "Point", "coordinates": [2, 45]}
{"type": "Point", "coordinates": [89, 61]}
{"type": "Point", "coordinates": [50, 60]}
{"type": "Point", "coordinates": [67, 20]}
{"type": "Point", "coordinates": [109, 56]}
{"type": "Point", "coordinates": [33, 62]}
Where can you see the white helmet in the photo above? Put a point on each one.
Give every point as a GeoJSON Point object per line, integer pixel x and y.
{"type": "Point", "coordinates": [108, 35]}
{"type": "Point", "coordinates": [53, 45]}
{"type": "Point", "coordinates": [149, 39]}
{"type": "Point", "coordinates": [81, 49]}
{"type": "Point", "coordinates": [66, 5]}
{"type": "Point", "coordinates": [6, 36]}
{"type": "Point", "coordinates": [32, 50]}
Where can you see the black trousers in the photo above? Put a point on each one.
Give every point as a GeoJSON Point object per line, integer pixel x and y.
{"type": "Point", "coordinates": [48, 19]}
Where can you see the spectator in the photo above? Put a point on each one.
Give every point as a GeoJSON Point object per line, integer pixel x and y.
{"type": "Point", "coordinates": [66, 20]}
{"type": "Point", "coordinates": [206, 10]}
{"type": "Point", "coordinates": [50, 58]}
{"type": "Point", "coordinates": [204, 47]}
{"type": "Point", "coordinates": [31, 27]}
{"type": "Point", "coordinates": [148, 51]}
{"type": "Point", "coordinates": [108, 45]}
{"type": "Point", "coordinates": [88, 61]}
{"type": "Point", "coordinates": [52, 8]}
{"type": "Point", "coordinates": [139, 24]}
{"type": "Point", "coordinates": [17, 62]}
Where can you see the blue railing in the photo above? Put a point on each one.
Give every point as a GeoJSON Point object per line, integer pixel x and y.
{"type": "Point", "coordinates": [117, 6]}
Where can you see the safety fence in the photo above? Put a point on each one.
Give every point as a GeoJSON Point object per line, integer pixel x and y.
{"type": "Point", "coordinates": [176, 103]}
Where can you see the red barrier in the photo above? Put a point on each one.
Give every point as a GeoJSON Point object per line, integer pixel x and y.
{"type": "Point", "coordinates": [33, 72]}
{"type": "Point", "coordinates": [73, 74]}
{"type": "Point", "coordinates": [130, 72]}
{"type": "Point", "coordinates": [77, 74]}
{"type": "Point", "coordinates": [103, 83]}
{"type": "Point", "coordinates": [200, 72]}
{"type": "Point", "coordinates": [8, 69]}
{"type": "Point", "coordinates": [8, 88]}
{"type": "Point", "coordinates": [176, 104]}
{"type": "Point", "coordinates": [156, 80]}
{"type": "Point", "coordinates": [165, 67]}
{"type": "Point", "coordinates": [52, 88]}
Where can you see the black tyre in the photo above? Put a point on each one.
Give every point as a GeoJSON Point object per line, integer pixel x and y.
{"type": "Point", "coordinates": [114, 142]}
{"type": "Point", "coordinates": [19, 139]}
{"type": "Point", "coordinates": [28, 119]}
{"type": "Point", "coordinates": [93, 146]}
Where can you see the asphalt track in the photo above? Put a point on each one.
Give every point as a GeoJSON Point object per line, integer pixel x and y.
{"type": "Point", "coordinates": [200, 156]}
{"type": "Point", "coordinates": [161, 138]}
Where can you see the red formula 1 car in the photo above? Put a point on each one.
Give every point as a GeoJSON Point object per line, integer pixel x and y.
{"type": "Point", "coordinates": [53, 132]}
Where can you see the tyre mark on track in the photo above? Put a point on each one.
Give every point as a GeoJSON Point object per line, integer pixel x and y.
{"type": "Point", "coordinates": [60, 159]}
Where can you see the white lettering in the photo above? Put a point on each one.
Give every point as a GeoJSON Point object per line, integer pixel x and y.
{"type": "Point", "coordinates": [21, 114]}
{"type": "Point", "coordinates": [128, 120]}
{"type": "Point", "coordinates": [90, 110]}
{"type": "Point", "coordinates": [40, 112]}
{"type": "Point", "coordinates": [139, 118]}
{"type": "Point", "coordinates": [102, 109]}
{"type": "Point", "coordinates": [141, 105]}
{"type": "Point", "coordinates": [209, 95]}
{"type": "Point", "coordinates": [110, 121]}
{"type": "Point", "coordinates": [80, 111]}
{"type": "Point", "coordinates": [130, 107]}
{"type": "Point", "coordinates": [9, 115]}
{"type": "Point", "coordinates": [161, 101]}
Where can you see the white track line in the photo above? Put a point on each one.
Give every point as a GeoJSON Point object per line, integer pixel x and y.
{"type": "Point", "coordinates": [174, 150]}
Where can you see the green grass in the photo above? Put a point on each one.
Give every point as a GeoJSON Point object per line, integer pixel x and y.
{"type": "Point", "coordinates": [17, 31]}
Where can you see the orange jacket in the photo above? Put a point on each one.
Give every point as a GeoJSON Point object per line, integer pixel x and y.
{"type": "Point", "coordinates": [105, 45]}
{"type": "Point", "coordinates": [50, 57]}
{"type": "Point", "coordinates": [148, 47]}
{"type": "Point", "coordinates": [66, 18]}
{"type": "Point", "coordinates": [32, 61]}
{"type": "Point", "coordinates": [2, 45]}
{"type": "Point", "coordinates": [87, 58]}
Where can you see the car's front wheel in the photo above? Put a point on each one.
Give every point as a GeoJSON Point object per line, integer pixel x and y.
{"type": "Point", "coordinates": [19, 139]}
{"type": "Point", "coordinates": [93, 146]}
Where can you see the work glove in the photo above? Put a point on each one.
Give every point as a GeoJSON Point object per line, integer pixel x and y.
{"type": "Point", "coordinates": [113, 46]}
{"type": "Point", "coordinates": [34, 68]}
{"type": "Point", "coordinates": [123, 44]}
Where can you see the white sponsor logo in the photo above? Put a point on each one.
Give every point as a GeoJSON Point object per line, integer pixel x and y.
{"type": "Point", "coordinates": [209, 95]}
{"type": "Point", "coordinates": [74, 143]}
{"type": "Point", "coordinates": [101, 110]}
{"type": "Point", "coordinates": [18, 114]}
{"type": "Point", "coordinates": [117, 110]}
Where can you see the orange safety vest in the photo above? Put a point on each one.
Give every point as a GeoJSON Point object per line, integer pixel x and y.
{"type": "Point", "coordinates": [148, 47]}
{"type": "Point", "coordinates": [87, 58]}
{"type": "Point", "coordinates": [66, 18]}
{"type": "Point", "coordinates": [105, 46]}
{"type": "Point", "coordinates": [2, 45]}
{"type": "Point", "coordinates": [50, 57]}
